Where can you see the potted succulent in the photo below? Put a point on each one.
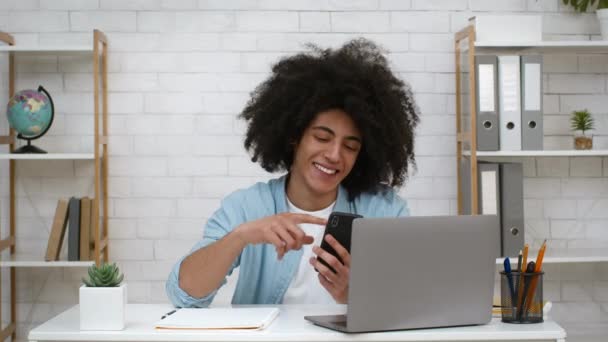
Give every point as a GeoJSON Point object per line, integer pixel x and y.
{"type": "Point", "coordinates": [581, 121]}
{"type": "Point", "coordinates": [601, 12]}
{"type": "Point", "coordinates": [103, 299]}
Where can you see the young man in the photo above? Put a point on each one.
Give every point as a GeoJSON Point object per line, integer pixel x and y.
{"type": "Point", "coordinates": [342, 126]}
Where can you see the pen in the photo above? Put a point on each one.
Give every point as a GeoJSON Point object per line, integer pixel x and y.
{"type": "Point", "coordinates": [517, 280]}
{"type": "Point", "coordinates": [519, 262]}
{"type": "Point", "coordinates": [520, 288]}
{"type": "Point", "coordinates": [168, 314]}
{"type": "Point", "coordinates": [507, 265]}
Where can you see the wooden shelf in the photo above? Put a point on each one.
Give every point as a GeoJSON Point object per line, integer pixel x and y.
{"type": "Point", "coordinates": [97, 54]}
{"type": "Point", "coordinates": [53, 49]}
{"type": "Point", "coordinates": [465, 51]}
{"type": "Point", "coordinates": [558, 46]}
{"type": "Point", "coordinates": [48, 156]}
{"type": "Point", "coordinates": [25, 260]}
{"type": "Point", "coordinates": [558, 256]}
{"type": "Point", "coordinates": [545, 153]}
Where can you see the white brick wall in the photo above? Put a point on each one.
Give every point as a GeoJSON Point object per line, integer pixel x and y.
{"type": "Point", "coordinates": [110, 21]}
{"type": "Point", "coordinates": [420, 21]}
{"type": "Point", "coordinates": [181, 70]}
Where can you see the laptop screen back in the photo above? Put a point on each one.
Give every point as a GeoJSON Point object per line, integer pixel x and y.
{"type": "Point", "coordinates": [421, 272]}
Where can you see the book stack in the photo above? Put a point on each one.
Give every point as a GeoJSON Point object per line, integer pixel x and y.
{"type": "Point", "coordinates": [78, 212]}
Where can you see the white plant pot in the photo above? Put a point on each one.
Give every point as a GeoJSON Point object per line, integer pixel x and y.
{"type": "Point", "coordinates": [102, 308]}
{"type": "Point", "coordinates": [602, 18]}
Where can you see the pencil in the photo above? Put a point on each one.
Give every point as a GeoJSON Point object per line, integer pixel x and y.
{"type": "Point", "coordinates": [520, 290]}
{"type": "Point", "coordinates": [537, 269]}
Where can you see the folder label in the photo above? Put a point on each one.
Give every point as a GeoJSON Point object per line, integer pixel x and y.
{"type": "Point", "coordinates": [488, 193]}
{"type": "Point", "coordinates": [486, 88]}
{"type": "Point", "coordinates": [510, 83]}
{"type": "Point", "coordinates": [532, 86]}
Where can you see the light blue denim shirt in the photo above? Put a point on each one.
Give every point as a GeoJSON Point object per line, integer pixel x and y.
{"type": "Point", "coordinates": [262, 278]}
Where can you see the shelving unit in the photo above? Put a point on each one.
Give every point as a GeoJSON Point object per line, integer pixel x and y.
{"type": "Point", "coordinates": [584, 46]}
{"type": "Point", "coordinates": [49, 156]}
{"type": "Point", "coordinates": [32, 260]}
{"type": "Point", "coordinates": [466, 135]}
{"type": "Point", "coordinates": [562, 256]}
{"type": "Point", "coordinates": [46, 49]}
{"type": "Point", "coordinates": [99, 52]}
{"type": "Point", "coordinates": [548, 153]}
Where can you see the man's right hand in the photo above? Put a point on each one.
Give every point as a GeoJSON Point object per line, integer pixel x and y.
{"type": "Point", "coordinates": [281, 230]}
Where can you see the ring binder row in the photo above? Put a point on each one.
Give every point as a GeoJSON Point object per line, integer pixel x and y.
{"type": "Point", "coordinates": [509, 101]}
{"type": "Point", "coordinates": [500, 187]}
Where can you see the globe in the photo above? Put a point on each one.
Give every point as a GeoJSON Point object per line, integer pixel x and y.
{"type": "Point", "coordinates": [30, 113]}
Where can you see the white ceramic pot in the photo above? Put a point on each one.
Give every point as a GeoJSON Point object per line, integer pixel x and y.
{"type": "Point", "coordinates": [102, 308]}
{"type": "Point", "coordinates": [602, 18]}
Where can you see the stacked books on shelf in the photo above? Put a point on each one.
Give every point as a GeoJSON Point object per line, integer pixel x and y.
{"type": "Point", "coordinates": [77, 213]}
{"type": "Point", "coordinates": [509, 100]}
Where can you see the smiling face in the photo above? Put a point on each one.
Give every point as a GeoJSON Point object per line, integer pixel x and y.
{"type": "Point", "coordinates": [324, 156]}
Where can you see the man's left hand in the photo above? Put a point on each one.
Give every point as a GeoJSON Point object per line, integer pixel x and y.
{"type": "Point", "coordinates": [335, 283]}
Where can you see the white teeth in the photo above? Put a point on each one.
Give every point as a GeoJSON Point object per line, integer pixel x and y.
{"type": "Point", "coordinates": [326, 170]}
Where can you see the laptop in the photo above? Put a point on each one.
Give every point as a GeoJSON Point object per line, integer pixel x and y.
{"type": "Point", "coordinates": [419, 272]}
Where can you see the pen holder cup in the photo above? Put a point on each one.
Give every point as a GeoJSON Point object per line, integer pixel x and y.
{"type": "Point", "coordinates": [521, 297]}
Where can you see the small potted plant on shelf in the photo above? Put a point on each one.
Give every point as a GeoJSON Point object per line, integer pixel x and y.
{"type": "Point", "coordinates": [581, 121]}
{"type": "Point", "coordinates": [103, 299]}
{"type": "Point", "coordinates": [601, 12]}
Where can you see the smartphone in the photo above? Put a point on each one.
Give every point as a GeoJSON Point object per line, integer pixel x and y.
{"type": "Point", "coordinates": [339, 225]}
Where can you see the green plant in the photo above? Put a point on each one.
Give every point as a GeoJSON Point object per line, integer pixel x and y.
{"type": "Point", "coordinates": [582, 5]}
{"type": "Point", "coordinates": [581, 120]}
{"type": "Point", "coordinates": [106, 275]}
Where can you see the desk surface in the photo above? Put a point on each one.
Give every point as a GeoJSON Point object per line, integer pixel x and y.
{"type": "Point", "coordinates": [288, 326]}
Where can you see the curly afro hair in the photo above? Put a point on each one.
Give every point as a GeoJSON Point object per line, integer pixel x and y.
{"type": "Point", "coordinates": [355, 78]}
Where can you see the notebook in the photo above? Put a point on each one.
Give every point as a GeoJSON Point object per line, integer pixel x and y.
{"type": "Point", "coordinates": [219, 318]}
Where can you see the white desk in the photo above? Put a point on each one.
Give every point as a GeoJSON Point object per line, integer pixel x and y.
{"type": "Point", "coordinates": [289, 326]}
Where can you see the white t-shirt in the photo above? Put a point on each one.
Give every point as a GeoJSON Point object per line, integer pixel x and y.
{"type": "Point", "coordinates": [305, 287]}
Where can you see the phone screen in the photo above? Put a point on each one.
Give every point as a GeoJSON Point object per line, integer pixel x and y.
{"type": "Point", "coordinates": [339, 225]}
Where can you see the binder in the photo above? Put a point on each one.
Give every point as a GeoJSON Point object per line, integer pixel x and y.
{"type": "Point", "coordinates": [512, 208]}
{"type": "Point", "coordinates": [74, 229]}
{"type": "Point", "coordinates": [465, 185]}
{"type": "Point", "coordinates": [531, 103]}
{"type": "Point", "coordinates": [486, 85]}
{"type": "Point", "coordinates": [509, 107]}
{"type": "Point", "coordinates": [488, 199]}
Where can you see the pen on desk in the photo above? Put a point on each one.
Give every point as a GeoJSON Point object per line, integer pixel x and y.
{"type": "Point", "coordinates": [168, 313]}
{"type": "Point", "coordinates": [507, 265]}
{"type": "Point", "coordinates": [520, 289]}
{"type": "Point", "coordinates": [537, 269]}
